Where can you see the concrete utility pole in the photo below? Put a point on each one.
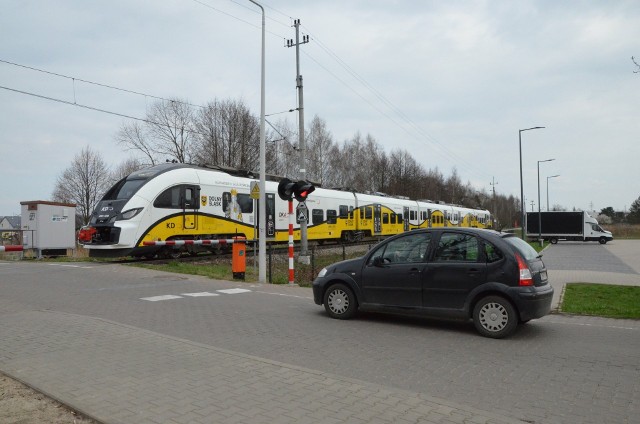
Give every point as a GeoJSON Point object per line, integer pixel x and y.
{"type": "Point", "coordinates": [262, 210]}
{"type": "Point", "coordinates": [304, 246]}
{"type": "Point", "coordinates": [493, 187]}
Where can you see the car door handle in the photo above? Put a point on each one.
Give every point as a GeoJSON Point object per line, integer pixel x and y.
{"type": "Point", "coordinates": [414, 271]}
{"type": "Point", "coordinates": [474, 272]}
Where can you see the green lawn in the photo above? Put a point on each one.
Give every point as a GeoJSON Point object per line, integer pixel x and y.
{"type": "Point", "coordinates": [602, 300]}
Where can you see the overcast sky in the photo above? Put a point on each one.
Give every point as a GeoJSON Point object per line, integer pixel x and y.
{"type": "Point", "coordinates": [451, 82]}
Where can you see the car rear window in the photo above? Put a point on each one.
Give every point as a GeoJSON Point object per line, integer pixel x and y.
{"type": "Point", "coordinates": [523, 247]}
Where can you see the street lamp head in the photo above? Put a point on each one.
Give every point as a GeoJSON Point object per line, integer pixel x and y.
{"type": "Point", "coordinates": [553, 176]}
{"type": "Point", "coordinates": [546, 160]}
{"type": "Point", "coordinates": [532, 128]}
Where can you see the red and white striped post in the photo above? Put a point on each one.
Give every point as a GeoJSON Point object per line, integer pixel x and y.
{"type": "Point", "coordinates": [291, 271]}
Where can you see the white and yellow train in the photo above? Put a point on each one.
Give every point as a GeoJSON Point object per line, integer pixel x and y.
{"type": "Point", "coordinates": [187, 202]}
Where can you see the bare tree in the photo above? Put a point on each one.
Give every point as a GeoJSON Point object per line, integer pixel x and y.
{"type": "Point", "coordinates": [133, 137]}
{"type": "Point", "coordinates": [228, 135]}
{"type": "Point", "coordinates": [125, 168]}
{"type": "Point", "coordinates": [319, 143]}
{"type": "Point", "coordinates": [166, 134]}
{"type": "Point", "coordinates": [83, 183]}
{"type": "Point", "coordinates": [633, 59]}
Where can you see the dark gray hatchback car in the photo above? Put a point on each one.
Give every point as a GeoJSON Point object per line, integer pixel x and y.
{"type": "Point", "coordinates": [493, 278]}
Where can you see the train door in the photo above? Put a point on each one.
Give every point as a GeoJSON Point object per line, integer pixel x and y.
{"type": "Point", "coordinates": [271, 214]}
{"type": "Point", "coordinates": [190, 204]}
{"type": "Point", "coordinates": [270, 210]}
{"type": "Point", "coordinates": [405, 216]}
{"type": "Point", "coordinates": [377, 218]}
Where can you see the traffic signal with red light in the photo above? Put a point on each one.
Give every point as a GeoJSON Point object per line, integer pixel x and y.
{"type": "Point", "coordinates": [287, 189]}
{"type": "Point", "coordinates": [302, 189]}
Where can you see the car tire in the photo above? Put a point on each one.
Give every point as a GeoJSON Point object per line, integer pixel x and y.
{"type": "Point", "coordinates": [495, 317]}
{"type": "Point", "coordinates": [603, 240]}
{"type": "Point", "coordinates": [340, 302]}
{"type": "Point", "coordinates": [553, 240]}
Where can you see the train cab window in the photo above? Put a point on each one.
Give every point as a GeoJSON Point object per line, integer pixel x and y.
{"type": "Point", "coordinates": [385, 218]}
{"type": "Point", "coordinates": [169, 199]}
{"type": "Point", "coordinates": [317, 216]}
{"type": "Point", "coordinates": [179, 197]}
{"type": "Point", "coordinates": [331, 216]}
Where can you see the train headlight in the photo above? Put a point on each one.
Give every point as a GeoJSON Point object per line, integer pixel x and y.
{"type": "Point", "coordinates": [129, 214]}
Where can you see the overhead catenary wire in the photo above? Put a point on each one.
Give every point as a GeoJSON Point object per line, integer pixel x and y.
{"type": "Point", "coordinates": [397, 116]}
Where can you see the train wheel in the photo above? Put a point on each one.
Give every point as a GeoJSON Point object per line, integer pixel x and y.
{"type": "Point", "coordinates": [171, 253]}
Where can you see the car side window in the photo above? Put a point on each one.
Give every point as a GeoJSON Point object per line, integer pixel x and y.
{"type": "Point", "coordinates": [457, 247]}
{"type": "Point", "coordinates": [407, 249]}
{"type": "Point", "coordinates": [492, 253]}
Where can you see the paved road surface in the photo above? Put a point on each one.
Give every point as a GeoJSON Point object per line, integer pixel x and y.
{"type": "Point", "coordinates": [127, 345]}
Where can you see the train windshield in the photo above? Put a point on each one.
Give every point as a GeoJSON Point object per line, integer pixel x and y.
{"type": "Point", "coordinates": [124, 189]}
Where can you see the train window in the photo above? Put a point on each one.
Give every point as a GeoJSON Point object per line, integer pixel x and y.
{"type": "Point", "coordinates": [170, 198]}
{"type": "Point", "coordinates": [368, 212]}
{"type": "Point", "coordinates": [331, 216]}
{"type": "Point", "coordinates": [350, 212]}
{"type": "Point", "coordinates": [344, 211]}
{"type": "Point", "coordinates": [244, 201]}
{"type": "Point", "coordinates": [413, 215]}
{"type": "Point", "coordinates": [399, 217]}
{"type": "Point", "coordinates": [317, 216]}
{"type": "Point", "coordinates": [385, 218]}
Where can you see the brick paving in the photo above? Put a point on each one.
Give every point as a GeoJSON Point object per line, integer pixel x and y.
{"type": "Point", "coordinates": [117, 373]}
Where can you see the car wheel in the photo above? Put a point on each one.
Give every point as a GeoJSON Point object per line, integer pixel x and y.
{"type": "Point", "coordinates": [495, 317]}
{"type": "Point", "coordinates": [603, 240]}
{"type": "Point", "coordinates": [553, 240]}
{"type": "Point", "coordinates": [340, 302]}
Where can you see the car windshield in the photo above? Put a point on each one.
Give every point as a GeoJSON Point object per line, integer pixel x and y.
{"type": "Point", "coordinates": [523, 247]}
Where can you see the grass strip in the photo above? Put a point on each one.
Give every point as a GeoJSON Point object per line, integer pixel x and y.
{"type": "Point", "coordinates": [603, 300]}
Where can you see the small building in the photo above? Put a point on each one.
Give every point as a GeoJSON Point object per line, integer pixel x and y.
{"type": "Point", "coordinates": [49, 228]}
{"type": "Point", "coordinates": [9, 223]}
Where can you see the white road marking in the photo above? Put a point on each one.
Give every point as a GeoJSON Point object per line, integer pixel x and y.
{"type": "Point", "coordinates": [201, 294]}
{"type": "Point", "coordinates": [71, 266]}
{"type": "Point", "coordinates": [233, 291]}
{"type": "Point", "coordinates": [157, 298]}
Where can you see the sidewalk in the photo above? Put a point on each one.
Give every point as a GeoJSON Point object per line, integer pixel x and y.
{"type": "Point", "coordinates": [625, 251]}
{"type": "Point", "coordinates": [116, 373]}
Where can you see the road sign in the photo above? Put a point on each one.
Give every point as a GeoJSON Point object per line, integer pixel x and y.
{"type": "Point", "coordinates": [302, 213]}
{"type": "Point", "coordinates": [255, 190]}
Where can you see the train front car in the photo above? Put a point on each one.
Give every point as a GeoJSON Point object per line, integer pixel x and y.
{"type": "Point", "coordinates": [117, 221]}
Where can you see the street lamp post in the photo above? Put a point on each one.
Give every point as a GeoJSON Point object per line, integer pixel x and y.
{"type": "Point", "coordinates": [553, 176]}
{"type": "Point", "coordinates": [539, 212]}
{"type": "Point", "coordinates": [522, 210]}
{"type": "Point", "coordinates": [262, 209]}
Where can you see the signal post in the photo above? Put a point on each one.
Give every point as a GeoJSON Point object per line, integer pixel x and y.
{"type": "Point", "coordinates": [288, 189]}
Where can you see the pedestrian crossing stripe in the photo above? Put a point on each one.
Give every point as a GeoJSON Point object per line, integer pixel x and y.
{"type": "Point", "coordinates": [158, 298]}
{"type": "Point", "coordinates": [199, 294]}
